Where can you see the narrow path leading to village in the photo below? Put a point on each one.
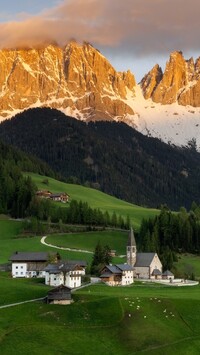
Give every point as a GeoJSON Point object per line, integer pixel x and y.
{"type": "Point", "coordinates": [63, 248]}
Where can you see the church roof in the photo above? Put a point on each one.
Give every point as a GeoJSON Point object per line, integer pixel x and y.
{"type": "Point", "coordinates": [131, 238]}
{"type": "Point", "coordinates": [144, 259]}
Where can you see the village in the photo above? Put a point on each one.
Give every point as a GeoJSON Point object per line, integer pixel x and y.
{"type": "Point", "coordinates": [67, 275]}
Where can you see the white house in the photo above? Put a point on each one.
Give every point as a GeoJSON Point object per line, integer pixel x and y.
{"type": "Point", "coordinates": [67, 273]}
{"type": "Point", "coordinates": [146, 265]}
{"type": "Point", "coordinates": [30, 264]}
{"type": "Point", "coordinates": [119, 274]}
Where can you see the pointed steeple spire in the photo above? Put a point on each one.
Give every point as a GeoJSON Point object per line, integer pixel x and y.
{"type": "Point", "coordinates": [131, 249]}
{"type": "Point", "coordinates": [131, 239]}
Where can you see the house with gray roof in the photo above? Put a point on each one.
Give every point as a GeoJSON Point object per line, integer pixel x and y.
{"type": "Point", "coordinates": [146, 265]}
{"type": "Point", "coordinates": [67, 273]}
{"type": "Point", "coordinates": [119, 274]}
{"type": "Point", "coordinates": [30, 264]}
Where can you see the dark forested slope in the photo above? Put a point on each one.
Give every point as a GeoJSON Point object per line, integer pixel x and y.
{"type": "Point", "coordinates": [110, 156]}
{"type": "Point", "coordinates": [16, 192]}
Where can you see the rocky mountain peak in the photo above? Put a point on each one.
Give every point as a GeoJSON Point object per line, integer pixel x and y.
{"type": "Point", "coordinates": [78, 79]}
{"type": "Point", "coordinates": [151, 80]}
{"type": "Point", "coordinates": [179, 83]}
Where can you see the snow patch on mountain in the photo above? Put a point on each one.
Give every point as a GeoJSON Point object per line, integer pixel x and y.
{"type": "Point", "coordinates": [174, 124]}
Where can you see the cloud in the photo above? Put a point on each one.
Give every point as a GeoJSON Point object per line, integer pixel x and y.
{"type": "Point", "coordinates": [131, 27]}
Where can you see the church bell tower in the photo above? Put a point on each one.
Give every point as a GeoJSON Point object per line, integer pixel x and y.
{"type": "Point", "coordinates": [131, 248]}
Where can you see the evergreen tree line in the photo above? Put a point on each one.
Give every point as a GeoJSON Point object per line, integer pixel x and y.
{"type": "Point", "coordinates": [76, 213]}
{"type": "Point", "coordinates": [16, 191]}
{"type": "Point", "coordinates": [170, 233]}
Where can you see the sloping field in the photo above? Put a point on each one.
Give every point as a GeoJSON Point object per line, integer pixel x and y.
{"type": "Point", "coordinates": [102, 320]}
{"type": "Point", "coordinates": [96, 199]}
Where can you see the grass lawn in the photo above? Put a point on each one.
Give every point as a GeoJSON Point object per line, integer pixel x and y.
{"type": "Point", "coordinates": [152, 318]}
{"type": "Point", "coordinates": [97, 199]}
{"type": "Point", "coordinates": [88, 240]}
{"type": "Point", "coordinates": [187, 264]}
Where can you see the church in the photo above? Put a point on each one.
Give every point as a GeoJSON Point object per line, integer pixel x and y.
{"type": "Point", "coordinates": [146, 265]}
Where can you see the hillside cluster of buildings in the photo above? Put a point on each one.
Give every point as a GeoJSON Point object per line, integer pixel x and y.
{"type": "Point", "coordinates": [58, 197]}
{"type": "Point", "coordinates": [69, 273]}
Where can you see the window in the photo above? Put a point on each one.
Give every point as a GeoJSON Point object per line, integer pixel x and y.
{"type": "Point", "coordinates": [21, 267]}
{"type": "Point", "coordinates": [16, 273]}
{"type": "Point", "coordinates": [22, 273]}
{"type": "Point", "coordinates": [16, 267]}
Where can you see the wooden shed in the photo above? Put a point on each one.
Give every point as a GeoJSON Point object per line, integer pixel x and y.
{"type": "Point", "coordinates": [59, 295]}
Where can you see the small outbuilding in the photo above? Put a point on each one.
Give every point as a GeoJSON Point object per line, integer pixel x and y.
{"type": "Point", "coordinates": [157, 274]}
{"type": "Point", "coordinates": [167, 275]}
{"type": "Point", "coordinates": [59, 295]}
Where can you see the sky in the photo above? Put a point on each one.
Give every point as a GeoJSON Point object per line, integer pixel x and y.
{"type": "Point", "coordinates": [132, 34]}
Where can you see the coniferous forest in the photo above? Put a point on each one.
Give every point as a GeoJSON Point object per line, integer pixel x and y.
{"type": "Point", "coordinates": [170, 233]}
{"type": "Point", "coordinates": [110, 156]}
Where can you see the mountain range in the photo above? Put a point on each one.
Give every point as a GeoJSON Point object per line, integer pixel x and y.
{"type": "Point", "coordinates": [79, 81]}
{"type": "Point", "coordinates": [110, 156]}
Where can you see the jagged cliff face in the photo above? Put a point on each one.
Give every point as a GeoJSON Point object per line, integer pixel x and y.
{"type": "Point", "coordinates": [79, 81]}
{"type": "Point", "coordinates": [77, 78]}
{"type": "Point", "coordinates": [180, 82]}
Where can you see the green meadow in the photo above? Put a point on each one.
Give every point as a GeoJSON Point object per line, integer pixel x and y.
{"type": "Point", "coordinates": [96, 199]}
{"type": "Point", "coordinates": [88, 240]}
{"type": "Point", "coordinates": [188, 263]}
{"type": "Point", "coordinates": [143, 318]}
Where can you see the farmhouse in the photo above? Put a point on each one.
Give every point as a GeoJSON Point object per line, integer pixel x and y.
{"type": "Point", "coordinates": [59, 295]}
{"type": "Point", "coordinates": [146, 265]}
{"type": "Point", "coordinates": [67, 273]}
{"type": "Point", "coordinates": [60, 196]}
{"type": "Point", "coordinates": [26, 264]}
{"type": "Point", "coordinates": [119, 274]}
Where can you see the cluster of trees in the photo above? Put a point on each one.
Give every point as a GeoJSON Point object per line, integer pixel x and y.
{"type": "Point", "coordinates": [109, 155]}
{"type": "Point", "coordinates": [76, 213]}
{"type": "Point", "coordinates": [170, 233]}
{"type": "Point", "coordinates": [16, 192]}
{"type": "Point", "coordinates": [102, 256]}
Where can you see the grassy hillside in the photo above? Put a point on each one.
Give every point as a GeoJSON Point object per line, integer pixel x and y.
{"type": "Point", "coordinates": [88, 241]}
{"type": "Point", "coordinates": [103, 320]}
{"type": "Point", "coordinates": [96, 199]}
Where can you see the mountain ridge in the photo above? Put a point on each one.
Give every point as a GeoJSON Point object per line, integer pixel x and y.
{"type": "Point", "coordinates": [78, 80]}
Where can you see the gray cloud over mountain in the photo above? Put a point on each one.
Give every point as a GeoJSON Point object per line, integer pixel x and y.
{"type": "Point", "coordinates": [134, 27]}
